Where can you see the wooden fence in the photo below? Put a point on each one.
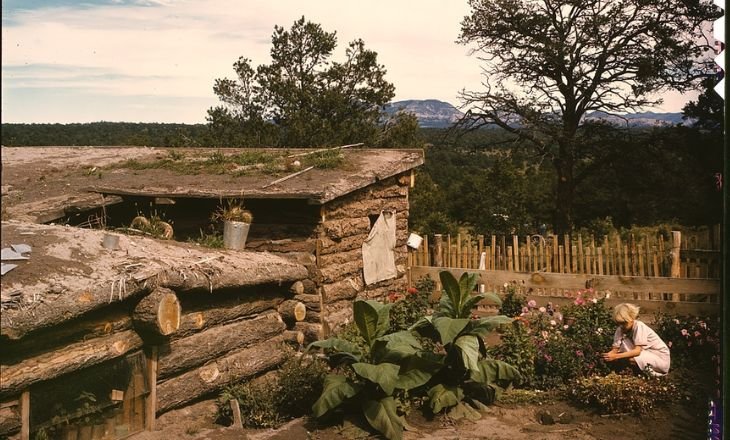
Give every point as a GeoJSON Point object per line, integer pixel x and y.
{"type": "Point", "coordinates": [678, 275]}
{"type": "Point", "coordinates": [683, 255]}
{"type": "Point", "coordinates": [683, 296]}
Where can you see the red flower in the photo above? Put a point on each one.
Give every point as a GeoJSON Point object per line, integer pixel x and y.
{"type": "Point", "coordinates": [412, 290]}
{"type": "Point", "coordinates": [392, 296]}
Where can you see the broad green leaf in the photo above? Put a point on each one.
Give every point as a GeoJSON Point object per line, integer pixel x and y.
{"type": "Point", "coordinates": [467, 283]}
{"type": "Point", "coordinates": [441, 396]}
{"type": "Point", "coordinates": [492, 371]}
{"type": "Point", "coordinates": [483, 326]}
{"type": "Point", "coordinates": [469, 305]}
{"type": "Point", "coordinates": [493, 297]}
{"type": "Point", "coordinates": [384, 374]}
{"type": "Point", "coordinates": [382, 415]}
{"type": "Point", "coordinates": [417, 371]}
{"type": "Point", "coordinates": [451, 288]}
{"type": "Point", "coordinates": [394, 347]}
{"type": "Point", "coordinates": [423, 322]}
{"type": "Point", "coordinates": [449, 328]}
{"type": "Point", "coordinates": [336, 345]}
{"type": "Point", "coordinates": [469, 347]}
{"type": "Point", "coordinates": [336, 390]}
{"type": "Point", "coordinates": [371, 318]}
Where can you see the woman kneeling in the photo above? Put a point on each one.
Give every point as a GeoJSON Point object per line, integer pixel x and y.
{"type": "Point", "coordinates": [638, 343]}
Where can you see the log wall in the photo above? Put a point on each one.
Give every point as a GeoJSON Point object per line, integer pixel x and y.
{"type": "Point", "coordinates": [226, 335]}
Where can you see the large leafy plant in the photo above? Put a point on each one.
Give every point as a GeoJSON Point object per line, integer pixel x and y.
{"type": "Point", "coordinates": [465, 372]}
{"type": "Point", "coordinates": [370, 378]}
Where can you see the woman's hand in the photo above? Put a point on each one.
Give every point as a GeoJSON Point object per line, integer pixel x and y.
{"type": "Point", "coordinates": [610, 356]}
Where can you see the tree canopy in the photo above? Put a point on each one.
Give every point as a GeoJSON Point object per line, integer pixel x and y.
{"type": "Point", "coordinates": [549, 63]}
{"type": "Point", "coordinates": [304, 98]}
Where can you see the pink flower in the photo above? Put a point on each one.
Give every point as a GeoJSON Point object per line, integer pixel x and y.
{"type": "Point", "coordinates": [689, 344]}
{"type": "Point", "coordinates": [525, 310]}
{"type": "Point", "coordinates": [579, 353]}
{"type": "Point", "coordinates": [579, 301]}
{"type": "Point", "coordinates": [531, 304]}
{"type": "Point", "coordinates": [697, 334]}
{"type": "Point", "coordinates": [548, 358]}
{"type": "Point", "coordinates": [702, 324]}
{"type": "Point", "coordinates": [684, 332]}
{"type": "Point", "coordinates": [669, 344]}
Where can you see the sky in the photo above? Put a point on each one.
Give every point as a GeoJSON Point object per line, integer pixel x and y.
{"type": "Point", "coordinates": [67, 61]}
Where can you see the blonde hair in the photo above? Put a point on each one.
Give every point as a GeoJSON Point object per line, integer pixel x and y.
{"type": "Point", "coordinates": [625, 312]}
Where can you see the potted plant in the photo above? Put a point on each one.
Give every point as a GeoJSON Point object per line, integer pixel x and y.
{"type": "Point", "coordinates": [236, 223]}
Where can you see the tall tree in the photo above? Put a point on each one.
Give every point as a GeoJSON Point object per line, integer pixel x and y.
{"type": "Point", "coordinates": [549, 63]}
{"type": "Point", "coordinates": [306, 97]}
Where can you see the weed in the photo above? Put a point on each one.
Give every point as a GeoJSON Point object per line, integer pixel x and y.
{"type": "Point", "coordinates": [327, 159]}
{"type": "Point", "coordinates": [212, 239]}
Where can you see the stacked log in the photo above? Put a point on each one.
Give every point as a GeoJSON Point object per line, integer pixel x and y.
{"type": "Point", "coordinates": [346, 224]}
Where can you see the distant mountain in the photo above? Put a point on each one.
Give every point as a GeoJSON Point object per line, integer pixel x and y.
{"type": "Point", "coordinates": [645, 119]}
{"type": "Point", "coordinates": [439, 114]}
{"type": "Point", "coordinates": [430, 112]}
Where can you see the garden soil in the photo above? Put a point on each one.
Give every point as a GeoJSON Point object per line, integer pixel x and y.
{"type": "Point", "coordinates": [680, 421]}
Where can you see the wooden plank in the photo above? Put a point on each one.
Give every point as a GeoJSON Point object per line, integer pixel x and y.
{"type": "Point", "coordinates": [516, 250]}
{"type": "Point", "coordinates": [528, 255]}
{"type": "Point", "coordinates": [151, 401]}
{"type": "Point", "coordinates": [25, 415]}
{"type": "Point", "coordinates": [449, 251]}
{"type": "Point", "coordinates": [599, 251]}
{"type": "Point", "coordinates": [494, 253]}
{"type": "Point", "coordinates": [581, 256]}
{"type": "Point", "coordinates": [627, 271]}
{"type": "Point", "coordinates": [426, 251]}
{"type": "Point", "coordinates": [555, 264]}
{"type": "Point", "coordinates": [574, 259]}
{"type": "Point", "coordinates": [510, 260]}
{"type": "Point", "coordinates": [561, 264]}
{"type": "Point", "coordinates": [675, 271]}
{"type": "Point", "coordinates": [458, 250]}
{"type": "Point", "coordinates": [438, 243]}
{"type": "Point", "coordinates": [614, 283]}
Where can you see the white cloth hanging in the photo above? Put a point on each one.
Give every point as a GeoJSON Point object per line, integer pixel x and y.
{"type": "Point", "coordinates": [378, 250]}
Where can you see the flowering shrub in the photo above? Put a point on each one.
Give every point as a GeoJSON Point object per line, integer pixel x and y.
{"type": "Point", "coordinates": [512, 301]}
{"type": "Point", "coordinates": [692, 341]}
{"type": "Point", "coordinates": [410, 306]}
{"type": "Point", "coordinates": [619, 393]}
{"type": "Point", "coordinates": [562, 346]}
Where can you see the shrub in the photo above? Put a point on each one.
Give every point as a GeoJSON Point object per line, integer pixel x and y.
{"type": "Point", "coordinates": [513, 301]}
{"type": "Point", "coordinates": [561, 349]}
{"type": "Point", "coordinates": [692, 341]}
{"type": "Point", "coordinates": [618, 393]}
{"type": "Point", "coordinates": [408, 308]}
{"type": "Point", "coordinates": [272, 400]}
{"type": "Point", "coordinates": [518, 349]}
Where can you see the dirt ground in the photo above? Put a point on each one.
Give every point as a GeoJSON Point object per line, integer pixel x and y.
{"type": "Point", "coordinates": [684, 419]}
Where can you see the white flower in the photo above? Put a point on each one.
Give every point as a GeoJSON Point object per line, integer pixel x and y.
{"type": "Point", "coordinates": [565, 327]}
{"type": "Point", "coordinates": [600, 330]}
{"type": "Point", "coordinates": [608, 295]}
{"type": "Point", "coordinates": [595, 300]}
{"type": "Point", "coordinates": [542, 309]}
{"type": "Point", "coordinates": [506, 285]}
{"type": "Point", "coordinates": [552, 322]}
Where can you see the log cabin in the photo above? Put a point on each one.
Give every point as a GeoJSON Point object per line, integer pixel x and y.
{"type": "Point", "coordinates": [117, 336]}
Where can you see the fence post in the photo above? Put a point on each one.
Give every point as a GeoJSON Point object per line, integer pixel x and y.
{"type": "Point", "coordinates": [516, 250]}
{"type": "Point", "coordinates": [438, 250]}
{"type": "Point", "coordinates": [676, 271]}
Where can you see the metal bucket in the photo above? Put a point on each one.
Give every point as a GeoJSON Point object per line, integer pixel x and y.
{"type": "Point", "coordinates": [235, 234]}
{"type": "Point", "coordinates": [110, 242]}
{"type": "Point", "coordinates": [414, 241]}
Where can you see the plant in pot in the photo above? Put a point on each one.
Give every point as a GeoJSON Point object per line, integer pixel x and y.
{"type": "Point", "coordinates": [236, 223]}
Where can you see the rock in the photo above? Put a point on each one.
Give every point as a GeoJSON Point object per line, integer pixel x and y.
{"type": "Point", "coordinates": [545, 418]}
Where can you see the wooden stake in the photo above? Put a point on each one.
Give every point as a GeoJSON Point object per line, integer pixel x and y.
{"type": "Point", "coordinates": [151, 401]}
{"type": "Point", "coordinates": [290, 176]}
{"type": "Point", "coordinates": [516, 250]}
{"type": "Point", "coordinates": [25, 415]}
{"type": "Point", "coordinates": [438, 250]}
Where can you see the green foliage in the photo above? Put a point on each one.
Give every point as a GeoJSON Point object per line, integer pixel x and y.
{"type": "Point", "coordinates": [512, 302]}
{"type": "Point", "coordinates": [517, 347]}
{"type": "Point", "coordinates": [408, 308]}
{"type": "Point", "coordinates": [617, 393]}
{"type": "Point", "coordinates": [694, 342]}
{"type": "Point", "coordinates": [272, 400]}
{"type": "Point", "coordinates": [213, 239]}
{"type": "Point", "coordinates": [457, 300]}
{"type": "Point", "coordinates": [304, 98]}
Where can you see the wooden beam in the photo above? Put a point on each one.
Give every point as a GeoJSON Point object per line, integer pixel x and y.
{"type": "Point", "coordinates": [25, 415]}
{"type": "Point", "coordinates": [543, 280]}
{"type": "Point", "coordinates": [151, 402]}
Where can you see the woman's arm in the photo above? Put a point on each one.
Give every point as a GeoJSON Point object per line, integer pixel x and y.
{"type": "Point", "coordinates": [614, 354]}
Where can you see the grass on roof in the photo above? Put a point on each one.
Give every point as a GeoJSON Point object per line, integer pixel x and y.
{"type": "Point", "coordinates": [238, 164]}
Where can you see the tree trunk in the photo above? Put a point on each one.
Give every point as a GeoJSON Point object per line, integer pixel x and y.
{"type": "Point", "coordinates": [157, 314]}
{"type": "Point", "coordinates": [70, 358]}
{"type": "Point", "coordinates": [303, 287]}
{"type": "Point", "coordinates": [184, 354]}
{"type": "Point", "coordinates": [214, 375]}
{"type": "Point", "coordinates": [223, 311]}
{"type": "Point", "coordinates": [563, 219]}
